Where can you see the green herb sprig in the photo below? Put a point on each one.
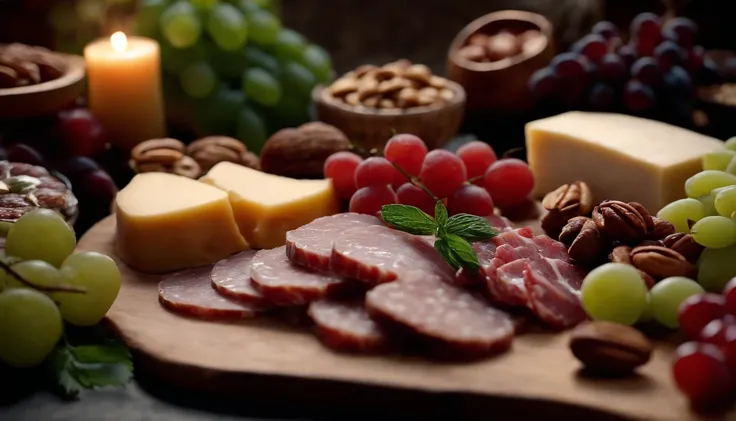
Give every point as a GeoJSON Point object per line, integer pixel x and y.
{"type": "Point", "coordinates": [454, 234]}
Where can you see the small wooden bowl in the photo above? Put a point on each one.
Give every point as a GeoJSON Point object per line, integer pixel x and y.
{"type": "Point", "coordinates": [500, 85]}
{"type": "Point", "coordinates": [45, 98]}
{"type": "Point", "coordinates": [370, 128]}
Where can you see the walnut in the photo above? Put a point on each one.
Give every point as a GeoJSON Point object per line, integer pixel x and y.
{"type": "Point", "coordinates": [301, 152]}
{"type": "Point", "coordinates": [163, 155]}
{"type": "Point", "coordinates": [212, 150]}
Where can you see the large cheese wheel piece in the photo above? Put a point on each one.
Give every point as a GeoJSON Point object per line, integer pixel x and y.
{"type": "Point", "coordinates": [266, 206]}
{"type": "Point", "coordinates": [166, 222]}
{"type": "Point", "coordinates": [620, 157]}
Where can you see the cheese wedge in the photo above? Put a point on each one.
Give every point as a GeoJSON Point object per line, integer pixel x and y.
{"type": "Point", "coordinates": [266, 205]}
{"type": "Point", "coordinates": [620, 157]}
{"type": "Point", "coordinates": [167, 222]}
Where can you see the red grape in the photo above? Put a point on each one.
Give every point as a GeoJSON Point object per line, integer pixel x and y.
{"type": "Point", "coordinates": [375, 171]}
{"type": "Point", "coordinates": [700, 373]}
{"type": "Point", "coordinates": [592, 46]}
{"type": "Point", "coordinates": [682, 31]}
{"type": "Point", "coordinates": [715, 331]}
{"type": "Point", "coordinates": [340, 167]}
{"type": "Point", "coordinates": [477, 157]}
{"type": "Point", "coordinates": [407, 151]}
{"type": "Point", "coordinates": [544, 83]}
{"type": "Point", "coordinates": [78, 165]}
{"type": "Point", "coordinates": [612, 68]}
{"type": "Point", "coordinates": [442, 172]}
{"type": "Point", "coordinates": [369, 200]}
{"type": "Point", "coordinates": [602, 96]}
{"type": "Point", "coordinates": [97, 186]}
{"type": "Point", "coordinates": [679, 80]}
{"type": "Point", "coordinates": [729, 349]}
{"type": "Point", "coordinates": [605, 29]}
{"type": "Point", "coordinates": [699, 310]}
{"type": "Point", "coordinates": [570, 65]}
{"type": "Point", "coordinates": [82, 134]}
{"type": "Point", "coordinates": [730, 294]}
{"type": "Point", "coordinates": [21, 152]}
{"type": "Point", "coordinates": [638, 96]}
{"type": "Point", "coordinates": [669, 54]}
{"type": "Point", "coordinates": [409, 194]}
{"type": "Point", "coordinates": [627, 53]}
{"type": "Point", "coordinates": [509, 181]}
{"type": "Point", "coordinates": [695, 58]}
{"type": "Point", "coordinates": [646, 30]}
{"type": "Point", "coordinates": [470, 199]}
{"type": "Point", "coordinates": [647, 71]}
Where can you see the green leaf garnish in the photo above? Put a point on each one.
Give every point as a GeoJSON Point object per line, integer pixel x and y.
{"type": "Point", "coordinates": [444, 249]}
{"type": "Point", "coordinates": [470, 227]}
{"type": "Point", "coordinates": [462, 251]}
{"type": "Point", "coordinates": [409, 219]}
{"type": "Point", "coordinates": [75, 368]}
{"type": "Point", "coordinates": [440, 214]}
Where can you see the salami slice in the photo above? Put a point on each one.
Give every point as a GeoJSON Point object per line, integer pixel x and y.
{"type": "Point", "coordinates": [286, 284]}
{"type": "Point", "coordinates": [231, 277]}
{"type": "Point", "coordinates": [379, 254]}
{"type": "Point", "coordinates": [345, 326]}
{"type": "Point", "coordinates": [453, 322]}
{"type": "Point", "coordinates": [190, 293]}
{"type": "Point", "coordinates": [311, 245]}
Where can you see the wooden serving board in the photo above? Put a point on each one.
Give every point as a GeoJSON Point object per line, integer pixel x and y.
{"type": "Point", "coordinates": [538, 376]}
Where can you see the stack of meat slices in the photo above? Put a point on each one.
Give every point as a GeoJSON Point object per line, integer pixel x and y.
{"type": "Point", "coordinates": [369, 288]}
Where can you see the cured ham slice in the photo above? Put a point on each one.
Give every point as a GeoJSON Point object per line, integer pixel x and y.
{"type": "Point", "coordinates": [345, 326]}
{"type": "Point", "coordinates": [554, 291]}
{"type": "Point", "coordinates": [231, 277]}
{"type": "Point", "coordinates": [311, 245]}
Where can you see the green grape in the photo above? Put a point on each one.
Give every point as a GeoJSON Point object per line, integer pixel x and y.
{"type": "Point", "coordinates": [261, 87]}
{"type": "Point", "coordinates": [227, 27]}
{"type": "Point", "coordinates": [247, 6]}
{"type": "Point", "coordinates": [714, 232]}
{"type": "Point", "coordinates": [716, 267]}
{"type": "Point", "coordinates": [147, 18]}
{"type": "Point", "coordinates": [297, 80]}
{"type": "Point", "coordinates": [216, 115]}
{"type": "Point", "coordinates": [5, 228]}
{"type": "Point", "coordinates": [204, 5]}
{"type": "Point", "coordinates": [37, 272]}
{"type": "Point", "coordinates": [263, 27]}
{"type": "Point", "coordinates": [289, 45]}
{"type": "Point", "coordinates": [89, 11]}
{"type": "Point", "coordinates": [318, 61]}
{"type": "Point", "coordinates": [731, 167]}
{"type": "Point", "coordinates": [41, 234]}
{"type": "Point", "coordinates": [614, 292]}
{"type": "Point", "coordinates": [266, 5]}
{"type": "Point", "coordinates": [251, 130]}
{"type": "Point", "coordinates": [731, 143]}
{"type": "Point", "coordinates": [100, 276]}
{"type": "Point", "coordinates": [175, 60]}
{"type": "Point", "coordinates": [708, 204]}
{"type": "Point", "coordinates": [703, 182]}
{"type": "Point", "coordinates": [255, 57]}
{"type": "Point", "coordinates": [646, 315]}
{"type": "Point", "coordinates": [198, 80]}
{"type": "Point", "coordinates": [680, 211]}
{"type": "Point", "coordinates": [725, 200]}
{"type": "Point", "coordinates": [718, 160]}
{"type": "Point", "coordinates": [180, 24]}
{"type": "Point", "coordinates": [62, 17]}
{"type": "Point", "coordinates": [229, 65]}
{"type": "Point", "coordinates": [31, 327]}
{"type": "Point", "coordinates": [666, 296]}
{"type": "Point", "coordinates": [291, 111]}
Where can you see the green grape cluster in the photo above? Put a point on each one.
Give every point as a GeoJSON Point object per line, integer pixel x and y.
{"type": "Point", "coordinates": [55, 286]}
{"type": "Point", "coordinates": [238, 70]}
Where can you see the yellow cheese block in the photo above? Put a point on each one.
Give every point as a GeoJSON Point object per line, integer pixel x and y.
{"type": "Point", "coordinates": [266, 205]}
{"type": "Point", "coordinates": [166, 222]}
{"type": "Point", "coordinates": [619, 156]}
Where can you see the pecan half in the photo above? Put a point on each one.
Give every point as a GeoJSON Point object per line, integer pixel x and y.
{"type": "Point", "coordinates": [661, 229]}
{"type": "Point", "coordinates": [622, 254]}
{"type": "Point", "coordinates": [684, 244]}
{"type": "Point", "coordinates": [565, 202]}
{"type": "Point", "coordinates": [212, 150]}
{"type": "Point", "coordinates": [164, 151]}
{"type": "Point", "coordinates": [661, 262]}
{"type": "Point", "coordinates": [571, 230]}
{"type": "Point", "coordinates": [621, 221]}
{"type": "Point", "coordinates": [589, 246]}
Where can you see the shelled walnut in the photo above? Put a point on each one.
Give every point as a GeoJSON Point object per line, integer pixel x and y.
{"type": "Point", "coordinates": [163, 155]}
{"type": "Point", "coordinates": [211, 150]}
{"type": "Point", "coordinates": [397, 85]}
{"type": "Point", "coordinates": [23, 65]}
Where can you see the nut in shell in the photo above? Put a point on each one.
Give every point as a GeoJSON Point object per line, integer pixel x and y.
{"type": "Point", "coordinates": [212, 150]}
{"type": "Point", "coordinates": [610, 348]}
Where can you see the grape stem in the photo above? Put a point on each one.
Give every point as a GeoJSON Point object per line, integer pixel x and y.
{"type": "Point", "coordinates": [61, 288]}
{"type": "Point", "coordinates": [413, 180]}
{"type": "Point", "coordinates": [509, 153]}
{"type": "Point", "coordinates": [472, 180]}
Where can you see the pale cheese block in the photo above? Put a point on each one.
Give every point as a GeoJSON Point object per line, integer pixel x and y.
{"type": "Point", "coordinates": [167, 222]}
{"type": "Point", "coordinates": [620, 157]}
{"type": "Point", "coordinates": [266, 206]}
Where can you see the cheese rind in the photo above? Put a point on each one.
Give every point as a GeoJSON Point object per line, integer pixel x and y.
{"type": "Point", "coordinates": [620, 157]}
{"type": "Point", "coordinates": [266, 206]}
{"type": "Point", "coordinates": [166, 222]}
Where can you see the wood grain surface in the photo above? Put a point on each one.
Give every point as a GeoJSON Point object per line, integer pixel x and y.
{"type": "Point", "coordinates": [265, 356]}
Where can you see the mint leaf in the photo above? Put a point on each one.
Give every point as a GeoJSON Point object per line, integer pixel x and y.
{"type": "Point", "coordinates": [462, 252]}
{"type": "Point", "coordinates": [89, 366]}
{"type": "Point", "coordinates": [408, 219]}
{"type": "Point", "coordinates": [440, 214]}
{"type": "Point", "coordinates": [444, 249]}
{"type": "Point", "coordinates": [470, 227]}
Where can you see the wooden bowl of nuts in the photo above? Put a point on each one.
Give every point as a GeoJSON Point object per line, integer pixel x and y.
{"type": "Point", "coordinates": [371, 103]}
{"type": "Point", "coordinates": [494, 56]}
{"type": "Point", "coordinates": [35, 81]}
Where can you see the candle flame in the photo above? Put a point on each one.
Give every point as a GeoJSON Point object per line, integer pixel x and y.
{"type": "Point", "coordinates": [119, 41]}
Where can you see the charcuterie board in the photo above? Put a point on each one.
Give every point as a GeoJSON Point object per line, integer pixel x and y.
{"type": "Point", "coordinates": [538, 372]}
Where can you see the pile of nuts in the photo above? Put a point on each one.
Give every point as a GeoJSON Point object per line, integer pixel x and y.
{"type": "Point", "coordinates": [394, 86]}
{"type": "Point", "coordinates": [619, 232]}
{"type": "Point", "coordinates": [193, 160]}
{"type": "Point", "coordinates": [23, 65]}
{"type": "Point", "coordinates": [482, 48]}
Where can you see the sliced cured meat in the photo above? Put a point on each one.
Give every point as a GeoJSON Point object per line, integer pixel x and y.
{"type": "Point", "coordinates": [311, 245]}
{"type": "Point", "coordinates": [507, 282]}
{"type": "Point", "coordinates": [231, 277]}
{"type": "Point", "coordinates": [346, 326]}
{"type": "Point", "coordinates": [554, 291]}
{"type": "Point", "coordinates": [379, 254]}
{"type": "Point", "coordinates": [450, 320]}
{"type": "Point", "coordinates": [286, 284]}
{"type": "Point", "coordinates": [190, 293]}
{"type": "Point", "coordinates": [485, 250]}
{"type": "Point", "coordinates": [500, 223]}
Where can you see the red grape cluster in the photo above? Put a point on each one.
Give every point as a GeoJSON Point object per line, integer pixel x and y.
{"type": "Point", "coordinates": [654, 74]}
{"type": "Point", "coordinates": [470, 181]}
{"type": "Point", "coordinates": [705, 368]}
